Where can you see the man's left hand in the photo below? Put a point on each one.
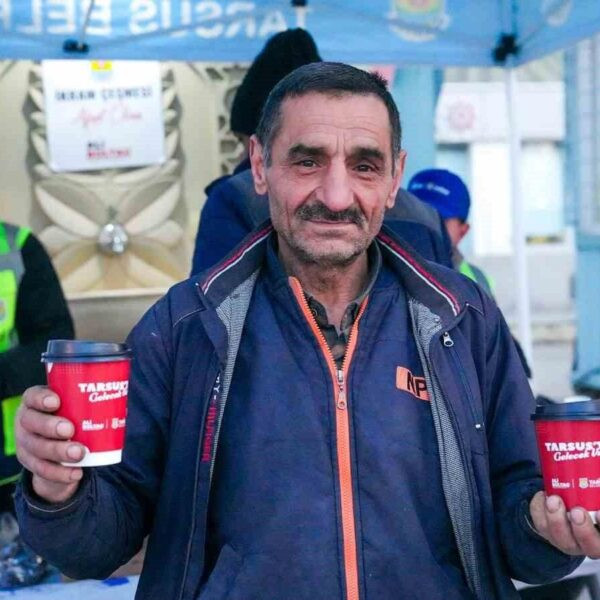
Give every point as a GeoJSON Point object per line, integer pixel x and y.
{"type": "Point", "coordinates": [573, 533]}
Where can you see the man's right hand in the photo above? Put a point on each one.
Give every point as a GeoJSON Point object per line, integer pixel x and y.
{"type": "Point", "coordinates": [43, 442]}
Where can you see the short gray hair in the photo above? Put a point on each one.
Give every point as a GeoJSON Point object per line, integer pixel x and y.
{"type": "Point", "coordinates": [330, 79]}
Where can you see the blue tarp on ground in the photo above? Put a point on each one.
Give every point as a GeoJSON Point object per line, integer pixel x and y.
{"type": "Point", "coordinates": [436, 32]}
{"type": "Point", "coordinates": [122, 588]}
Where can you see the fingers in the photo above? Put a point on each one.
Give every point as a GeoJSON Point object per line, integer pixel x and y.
{"type": "Point", "coordinates": [537, 510]}
{"type": "Point", "coordinates": [559, 529]}
{"type": "Point", "coordinates": [45, 425]}
{"type": "Point", "coordinates": [43, 457]}
{"type": "Point", "coordinates": [585, 533]}
{"type": "Point", "coordinates": [43, 443]}
{"type": "Point", "coordinates": [50, 471]}
{"type": "Point", "coordinates": [573, 533]}
{"type": "Point", "coordinates": [52, 450]}
{"type": "Point", "coordinates": [41, 398]}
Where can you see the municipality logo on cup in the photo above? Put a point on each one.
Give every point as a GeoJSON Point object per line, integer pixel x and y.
{"type": "Point", "coordinates": [92, 381]}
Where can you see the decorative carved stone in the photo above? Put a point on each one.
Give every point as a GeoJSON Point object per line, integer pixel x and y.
{"type": "Point", "coordinates": [114, 228]}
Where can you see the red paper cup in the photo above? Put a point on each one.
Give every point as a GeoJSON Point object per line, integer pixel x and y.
{"type": "Point", "coordinates": [92, 381]}
{"type": "Point", "coordinates": [568, 437]}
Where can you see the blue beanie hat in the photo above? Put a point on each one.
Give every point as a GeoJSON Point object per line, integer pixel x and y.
{"type": "Point", "coordinates": [443, 190]}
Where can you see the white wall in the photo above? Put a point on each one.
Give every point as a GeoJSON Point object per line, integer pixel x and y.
{"type": "Point", "coordinates": [490, 198]}
{"type": "Point", "coordinates": [15, 193]}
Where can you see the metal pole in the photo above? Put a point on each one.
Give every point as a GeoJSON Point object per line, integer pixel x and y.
{"type": "Point", "coordinates": [301, 17]}
{"type": "Point", "coordinates": [86, 21]}
{"type": "Point", "coordinates": [518, 215]}
{"type": "Point", "coordinates": [300, 6]}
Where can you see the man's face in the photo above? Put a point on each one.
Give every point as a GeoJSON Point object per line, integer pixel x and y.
{"type": "Point", "coordinates": [330, 178]}
{"type": "Point", "coordinates": [457, 230]}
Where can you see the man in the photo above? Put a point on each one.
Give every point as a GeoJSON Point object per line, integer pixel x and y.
{"type": "Point", "coordinates": [32, 310]}
{"type": "Point", "coordinates": [322, 415]}
{"type": "Point", "coordinates": [233, 208]}
{"type": "Point", "coordinates": [448, 194]}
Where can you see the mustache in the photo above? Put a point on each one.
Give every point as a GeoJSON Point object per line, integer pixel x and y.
{"type": "Point", "coordinates": [317, 210]}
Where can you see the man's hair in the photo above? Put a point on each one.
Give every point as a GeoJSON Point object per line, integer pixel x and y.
{"type": "Point", "coordinates": [330, 79]}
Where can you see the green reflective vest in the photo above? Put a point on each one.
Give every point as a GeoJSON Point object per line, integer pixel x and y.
{"type": "Point", "coordinates": [12, 240]}
{"type": "Point", "coordinates": [478, 276]}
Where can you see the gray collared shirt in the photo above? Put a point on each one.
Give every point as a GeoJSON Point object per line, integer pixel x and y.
{"type": "Point", "coordinates": [338, 341]}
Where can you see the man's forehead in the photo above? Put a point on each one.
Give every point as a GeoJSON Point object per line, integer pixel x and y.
{"type": "Point", "coordinates": [315, 116]}
{"type": "Point", "coordinates": [335, 107]}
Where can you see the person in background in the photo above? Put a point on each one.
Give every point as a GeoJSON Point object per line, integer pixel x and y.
{"type": "Point", "coordinates": [448, 194]}
{"type": "Point", "coordinates": [33, 310]}
{"type": "Point", "coordinates": [221, 227]}
{"type": "Point", "coordinates": [233, 208]}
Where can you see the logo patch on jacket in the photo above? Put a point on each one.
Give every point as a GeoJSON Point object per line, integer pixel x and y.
{"type": "Point", "coordinates": [407, 382]}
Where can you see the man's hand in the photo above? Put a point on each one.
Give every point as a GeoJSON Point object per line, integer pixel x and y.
{"type": "Point", "coordinates": [43, 443]}
{"type": "Point", "coordinates": [573, 534]}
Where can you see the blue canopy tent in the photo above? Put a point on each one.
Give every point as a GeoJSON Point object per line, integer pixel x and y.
{"type": "Point", "coordinates": [433, 32]}
{"type": "Point", "coordinates": [418, 32]}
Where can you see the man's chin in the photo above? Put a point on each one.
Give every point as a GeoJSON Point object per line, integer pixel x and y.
{"type": "Point", "coordinates": [329, 257]}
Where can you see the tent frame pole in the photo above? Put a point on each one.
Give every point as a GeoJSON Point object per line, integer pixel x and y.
{"type": "Point", "coordinates": [84, 26]}
{"type": "Point", "coordinates": [518, 214]}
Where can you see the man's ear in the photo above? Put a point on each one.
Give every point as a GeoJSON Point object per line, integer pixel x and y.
{"type": "Point", "coordinates": [464, 229]}
{"type": "Point", "coordinates": [397, 179]}
{"type": "Point", "coordinates": [257, 163]}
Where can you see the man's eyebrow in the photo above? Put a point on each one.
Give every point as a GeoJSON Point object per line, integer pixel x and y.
{"type": "Point", "coordinates": [302, 150]}
{"type": "Point", "coordinates": [366, 153]}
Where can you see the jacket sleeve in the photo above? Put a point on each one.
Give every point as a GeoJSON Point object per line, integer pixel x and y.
{"type": "Point", "coordinates": [42, 314]}
{"type": "Point", "coordinates": [222, 227]}
{"type": "Point", "coordinates": [105, 523]}
{"type": "Point", "coordinates": [515, 472]}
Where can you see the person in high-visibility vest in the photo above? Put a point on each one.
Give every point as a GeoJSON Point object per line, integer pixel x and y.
{"type": "Point", "coordinates": [33, 310]}
{"type": "Point", "coordinates": [448, 194]}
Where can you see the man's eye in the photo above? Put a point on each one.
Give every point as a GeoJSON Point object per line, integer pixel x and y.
{"type": "Point", "coordinates": [364, 168]}
{"type": "Point", "coordinates": [309, 163]}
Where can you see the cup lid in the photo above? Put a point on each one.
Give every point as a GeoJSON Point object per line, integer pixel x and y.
{"type": "Point", "coordinates": [84, 350]}
{"type": "Point", "coordinates": [581, 410]}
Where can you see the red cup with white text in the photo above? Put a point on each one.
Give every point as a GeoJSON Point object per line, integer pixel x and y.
{"type": "Point", "coordinates": [568, 438]}
{"type": "Point", "coordinates": [92, 381]}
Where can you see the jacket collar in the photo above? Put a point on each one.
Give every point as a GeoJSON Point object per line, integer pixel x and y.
{"type": "Point", "coordinates": [218, 282]}
{"type": "Point", "coordinates": [435, 286]}
{"type": "Point", "coordinates": [430, 284]}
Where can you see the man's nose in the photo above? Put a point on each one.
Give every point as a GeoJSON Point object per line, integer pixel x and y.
{"type": "Point", "coordinates": [335, 191]}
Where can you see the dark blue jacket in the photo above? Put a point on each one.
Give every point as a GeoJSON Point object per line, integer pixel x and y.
{"type": "Point", "coordinates": [185, 348]}
{"type": "Point", "coordinates": [233, 209]}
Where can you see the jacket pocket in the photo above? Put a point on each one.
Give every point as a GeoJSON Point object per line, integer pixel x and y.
{"type": "Point", "coordinates": [223, 575]}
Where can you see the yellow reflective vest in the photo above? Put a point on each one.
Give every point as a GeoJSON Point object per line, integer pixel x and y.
{"type": "Point", "coordinates": [478, 276]}
{"type": "Point", "coordinates": [12, 239]}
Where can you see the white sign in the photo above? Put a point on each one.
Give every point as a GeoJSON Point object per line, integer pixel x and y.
{"type": "Point", "coordinates": [476, 112]}
{"type": "Point", "coordinates": [103, 114]}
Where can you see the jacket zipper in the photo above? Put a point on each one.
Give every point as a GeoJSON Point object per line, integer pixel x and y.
{"type": "Point", "coordinates": [342, 426]}
{"type": "Point", "coordinates": [449, 343]}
